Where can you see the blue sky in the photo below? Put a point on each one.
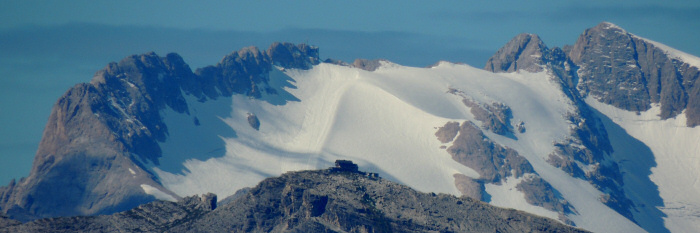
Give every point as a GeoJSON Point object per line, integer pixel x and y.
{"type": "Point", "coordinates": [48, 46]}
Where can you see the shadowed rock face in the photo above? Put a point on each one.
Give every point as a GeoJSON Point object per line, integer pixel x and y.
{"type": "Point", "coordinates": [524, 52]}
{"type": "Point", "coordinates": [313, 201]}
{"type": "Point", "coordinates": [626, 71]}
{"type": "Point", "coordinates": [102, 133]}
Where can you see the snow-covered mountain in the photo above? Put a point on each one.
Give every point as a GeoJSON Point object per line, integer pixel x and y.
{"type": "Point", "coordinates": [600, 135]}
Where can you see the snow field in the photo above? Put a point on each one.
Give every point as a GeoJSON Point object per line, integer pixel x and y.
{"type": "Point", "coordinates": [383, 120]}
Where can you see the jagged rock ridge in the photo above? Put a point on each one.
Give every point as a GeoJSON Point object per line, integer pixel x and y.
{"type": "Point", "coordinates": [101, 130]}
{"type": "Point", "coordinates": [332, 200]}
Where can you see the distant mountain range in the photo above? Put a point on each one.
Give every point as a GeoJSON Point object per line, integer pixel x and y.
{"type": "Point", "coordinates": [600, 135]}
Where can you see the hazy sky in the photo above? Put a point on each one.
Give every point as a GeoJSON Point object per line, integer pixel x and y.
{"type": "Point", "coordinates": [48, 46]}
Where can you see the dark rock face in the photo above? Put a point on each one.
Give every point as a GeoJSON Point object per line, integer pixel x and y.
{"type": "Point", "coordinates": [528, 52]}
{"type": "Point", "coordinates": [628, 72]}
{"type": "Point", "coordinates": [78, 142]}
{"type": "Point", "coordinates": [567, 165]}
{"type": "Point", "coordinates": [103, 132]}
{"type": "Point", "coordinates": [253, 121]}
{"type": "Point", "coordinates": [540, 193]}
{"type": "Point", "coordinates": [495, 117]}
{"type": "Point", "coordinates": [448, 132]}
{"type": "Point", "coordinates": [470, 187]}
{"type": "Point", "coordinates": [524, 52]}
{"type": "Point", "coordinates": [312, 201]}
{"type": "Point", "coordinates": [609, 70]}
{"type": "Point", "coordinates": [288, 55]}
{"type": "Point", "coordinates": [493, 162]}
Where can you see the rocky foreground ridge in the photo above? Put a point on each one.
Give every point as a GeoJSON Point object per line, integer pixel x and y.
{"type": "Point", "coordinates": [339, 199]}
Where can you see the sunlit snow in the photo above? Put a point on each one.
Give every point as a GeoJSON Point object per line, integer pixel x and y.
{"type": "Point", "coordinates": [383, 120]}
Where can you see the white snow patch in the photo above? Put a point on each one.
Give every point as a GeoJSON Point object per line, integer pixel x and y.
{"type": "Point", "coordinates": [160, 195]}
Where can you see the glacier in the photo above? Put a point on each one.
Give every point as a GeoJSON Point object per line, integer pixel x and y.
{"type": "Point", "coordinates": [383, 120]}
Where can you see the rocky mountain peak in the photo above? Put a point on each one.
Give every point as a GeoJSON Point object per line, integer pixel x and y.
{"type": "Point", "coordinates": [598, 36]}
{"type": "Point", "coordinates": [112, 126]}
{"type": "Point", "coordinates": [609, 26]}
{"type": "Point", "coordinates": [614, 67]}
{"type": "Point", "coordinates": [289, 55]}
{"type": "Point", "coordinates": [635, 73]}
{"type": "Point", "coordinates": [524, 52]}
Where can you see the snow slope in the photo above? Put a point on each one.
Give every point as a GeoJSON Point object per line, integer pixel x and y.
{"type": "Point", "coordinates": [383, 120]}
{"type": "Point", "coordinates": [676, 154]}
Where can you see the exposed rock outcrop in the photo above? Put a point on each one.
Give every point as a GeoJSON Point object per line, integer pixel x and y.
{"type": "Point", "coordinates": [540, 193]}
{"type": "Point", "coordinates": [524, 52]}
{"type": "Point", "coordinates": [470, 187]}
{"type": "Point", "coordinates": [368, 65]}
{"type": "Point", "coordinates": [495, 117]}
{"type": "Point", "coordinates": [448, 132]}
{"type": "Point", "coordinates": [253, 121]}
{"type": "Point", "coordinates": [496, 163]}
{"type": "Point", "coordinates": [492, 161]}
